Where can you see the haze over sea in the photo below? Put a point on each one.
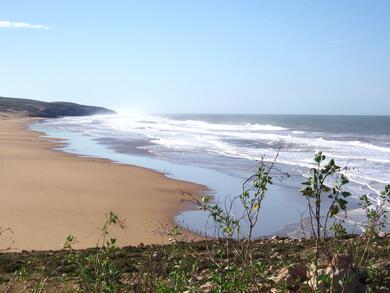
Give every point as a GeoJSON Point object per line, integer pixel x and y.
{"type": "Point", "coordinates": [221, 150]}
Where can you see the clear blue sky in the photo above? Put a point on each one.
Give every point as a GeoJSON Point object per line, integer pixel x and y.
{"type": "Point", "coordinates": [310, 57]}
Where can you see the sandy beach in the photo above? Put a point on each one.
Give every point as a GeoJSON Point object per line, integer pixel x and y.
{"type": "Point", "coordinates": [47, 195]}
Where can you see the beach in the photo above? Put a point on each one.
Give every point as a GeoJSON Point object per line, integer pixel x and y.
{"type": "Point", "coordinates": [47, 194]}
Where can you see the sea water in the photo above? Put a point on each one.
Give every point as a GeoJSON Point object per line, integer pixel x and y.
{"type": "Point", "coordinates": [221, 151]}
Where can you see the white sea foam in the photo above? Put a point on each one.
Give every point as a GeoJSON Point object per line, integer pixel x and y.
{"type": "Point", "coordinates": [369, 162]}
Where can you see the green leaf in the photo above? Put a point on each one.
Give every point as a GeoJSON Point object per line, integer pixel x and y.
{"type": "Point", "coordinates": [334, 210]}
{"type": "Point", "coordinates": [342, 203]}
{"type": "Point", "coordinates": [346, 193]}
{"type": "Point", "coordinates": [319, 157]}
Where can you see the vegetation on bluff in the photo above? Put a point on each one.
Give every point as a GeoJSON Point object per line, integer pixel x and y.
{"type": "Point", "coordinates": [330, 260]}
{"type": "Point", "coordinates": [35, 108]}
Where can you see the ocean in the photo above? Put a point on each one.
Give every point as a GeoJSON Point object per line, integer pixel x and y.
{"type": "Point", "coordinates": [221, 150]}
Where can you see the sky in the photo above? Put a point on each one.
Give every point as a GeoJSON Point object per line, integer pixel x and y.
{"type": "Point", "coordinates": [200, 56]}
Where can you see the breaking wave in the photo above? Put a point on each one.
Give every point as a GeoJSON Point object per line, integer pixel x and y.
{"type": "Point", "coordinates": [367, 156]}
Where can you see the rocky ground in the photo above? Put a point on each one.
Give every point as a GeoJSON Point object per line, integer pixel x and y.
{"type": "Point", "coordinates": [278, 264]}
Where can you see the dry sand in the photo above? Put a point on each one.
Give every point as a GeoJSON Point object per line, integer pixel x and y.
{"type": "Point", "coordinates": [46, 195]}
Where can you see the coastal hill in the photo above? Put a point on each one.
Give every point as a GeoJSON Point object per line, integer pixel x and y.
{"type": "Point", "coordinates": [34, 108]}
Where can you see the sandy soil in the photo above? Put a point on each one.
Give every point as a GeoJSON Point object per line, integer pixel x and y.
{"type": "Point", "coordinates": [46, 195]}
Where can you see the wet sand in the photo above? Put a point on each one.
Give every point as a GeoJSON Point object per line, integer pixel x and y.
{"type": "Point", "coordinates": [46, 195]}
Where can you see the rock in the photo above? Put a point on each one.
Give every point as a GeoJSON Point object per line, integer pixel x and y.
{"type": "Point", "coordinates": [206, 287]}
{"type": "Point", "coordinates": [341, 261]}
{"type": "Point", "coordinates": [339, 273]}
{"type": "Point", "coordinates": [345, 279]}
{"type": "Point", "coordinates": [135, 285]}
{"type": "Point", "coordinates": [292, 276]}
{"type": "Point", "coordinates": [312, 282]}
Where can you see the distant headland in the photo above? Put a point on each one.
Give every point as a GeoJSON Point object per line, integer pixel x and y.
{"type": "Point", "coordinates": [34, 108]}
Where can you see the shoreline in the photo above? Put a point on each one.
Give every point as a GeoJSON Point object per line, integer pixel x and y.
{"type": "Point", "coordinates": [48, 194]}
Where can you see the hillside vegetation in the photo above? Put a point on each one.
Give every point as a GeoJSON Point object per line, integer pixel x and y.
{"type": "Point", "coordinates": [34, 108]}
